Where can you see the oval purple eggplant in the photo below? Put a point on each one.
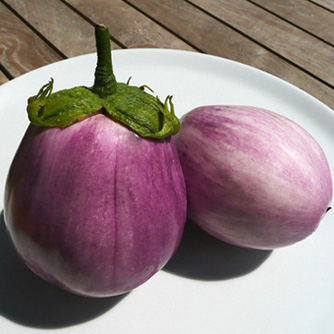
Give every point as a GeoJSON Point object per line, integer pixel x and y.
{"type": "Point", "coordinates": [94, 208]}
{"type": "Point", "coordinates": [254, 178]}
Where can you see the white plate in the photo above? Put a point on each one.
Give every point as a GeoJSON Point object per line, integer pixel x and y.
{"type": "Point", "coordinates": [208, 287]}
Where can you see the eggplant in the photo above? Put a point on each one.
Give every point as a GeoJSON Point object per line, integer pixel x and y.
{"type": "Point", "coordinates": [254, 178]}
{"type": "Point", "coordinates": [95, 198]}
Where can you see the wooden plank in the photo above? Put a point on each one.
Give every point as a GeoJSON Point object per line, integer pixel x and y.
{"type": "Point", "coordinates": [277, 35]}
{"type": "Point", "coordinates": [22, 50]}
{"type": "Point", "coordinates": [198, 28]}
{"type": "Point", "coordinates": [127, 25]}
{"type": "Point", "coordinates": [304, 14]}
{"type": "Point", "coordinates": [329, 4]}
{"type": "Point", "coordinates": [63, 27]}
{"type": "Point", "coordinates": [213, 37]}
{"type": "Point", "coordinates": [218, 39]}
{"type": "Point", "coordinates": [3, 78]}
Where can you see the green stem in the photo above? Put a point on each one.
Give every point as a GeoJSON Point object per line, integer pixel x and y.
{"type": "Point", "coordinates": [105, 83]}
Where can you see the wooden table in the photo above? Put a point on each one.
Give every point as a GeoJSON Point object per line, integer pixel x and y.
{"type": "Point", "coordinates": [291, 39]}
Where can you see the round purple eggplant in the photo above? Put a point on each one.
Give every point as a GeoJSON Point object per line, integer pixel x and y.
{"type": "Point", "coordinates": [94, 208]}
{"type": "Point", "coordinates": [95, 199]}
{"type": "Point", "coordinates": [254, 178]}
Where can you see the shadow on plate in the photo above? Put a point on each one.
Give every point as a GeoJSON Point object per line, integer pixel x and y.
{"type": "Point", "coordinates": [203, 257]}
{"type": "Point", "coordinates": [28, 300]}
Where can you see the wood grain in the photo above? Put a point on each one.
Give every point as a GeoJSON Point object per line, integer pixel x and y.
{"type": "Point", "coordinates": [218, 39]}
{"type": "Point", "coordinates": [307, 15]}
{"type": "Point", "coordinates": [199, 29]}
{"type": "Point", "coordinates": [21, 50]}
{"type": "Point", "coordinates": [128, 26]}
{"type": "Point", "coordinates": [293, 44]}
{"type": "Point", "coordinates": [329, 4]}
{"type": "Point", "coordinates": [3, 78]}
{"type": "Point", "coordinates": [63, 27]}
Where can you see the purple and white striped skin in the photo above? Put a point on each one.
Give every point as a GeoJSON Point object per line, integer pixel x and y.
{"type": "Point", "coordinates": [254, 178]}
{"type": "Point", "coordinates": [94, 208]}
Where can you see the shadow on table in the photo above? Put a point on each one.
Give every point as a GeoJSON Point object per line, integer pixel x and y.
{"type": "Point", "coordinates": [28, 300]}
{"type": "Point", "coordinates": [203, 257]}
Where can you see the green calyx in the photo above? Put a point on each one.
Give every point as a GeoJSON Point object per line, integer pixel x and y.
{"type": "Point", "coordinates": [129, 105]}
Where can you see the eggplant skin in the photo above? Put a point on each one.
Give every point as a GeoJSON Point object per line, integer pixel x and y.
{"type": "Point", "coordinates": [254, 178]}
{"type": "Point", "coordinates": [94, 208]}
